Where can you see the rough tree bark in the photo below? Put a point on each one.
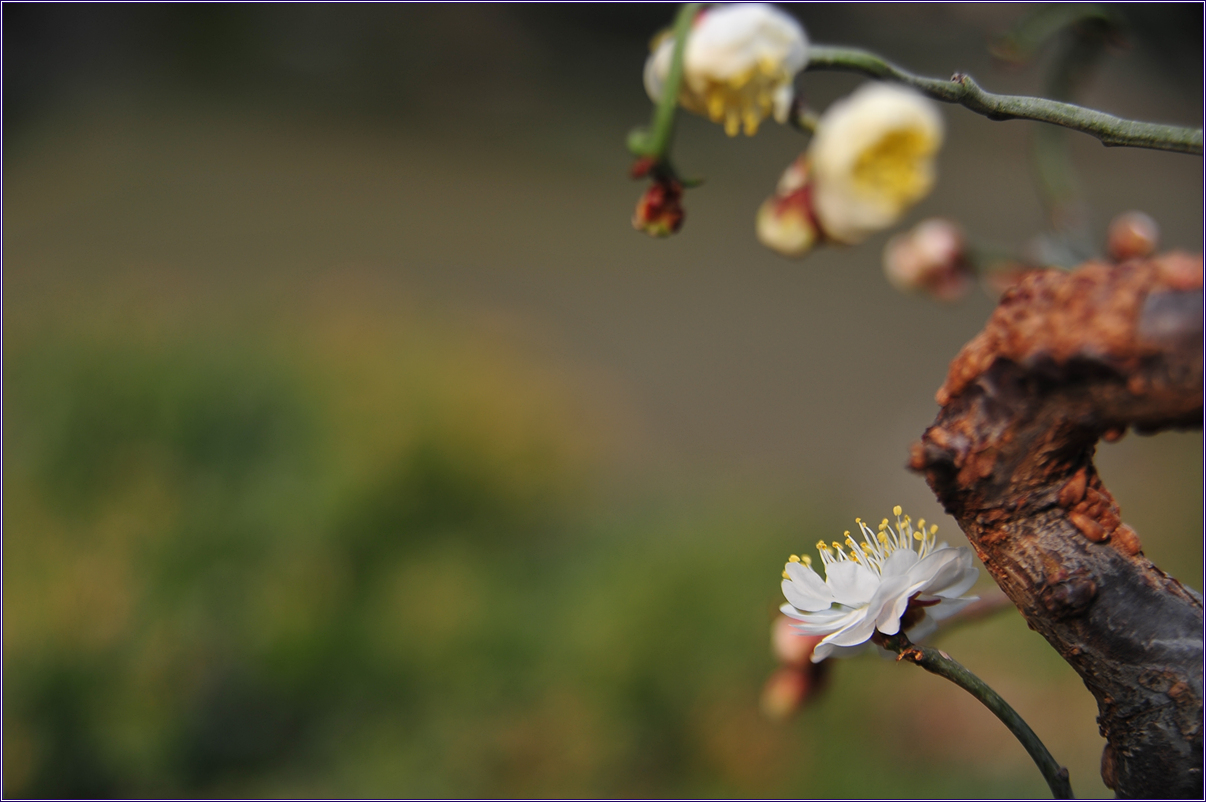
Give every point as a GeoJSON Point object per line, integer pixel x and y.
{"type": "Point", "coordinates": [1067, 359]}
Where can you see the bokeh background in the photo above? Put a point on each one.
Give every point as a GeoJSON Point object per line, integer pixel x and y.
{"type": "Point", "coordinates": [355, 444]}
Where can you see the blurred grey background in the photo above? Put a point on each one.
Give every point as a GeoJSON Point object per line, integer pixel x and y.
{"type": "Point", "coordinates": [357, 445]}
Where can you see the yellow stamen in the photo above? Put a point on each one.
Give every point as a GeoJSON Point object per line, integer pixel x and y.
{"type": "Point", "coordinates": [806, 560]}
{"type": "Point", "coordinates": [896, 510]}
{"type": "Point", "coordinates": [896, 166]}
{"type": "Point", "coordinates": [785, 576]}
{"type": "Point", "coordinates": [795, 558]}
{"type": "Point", "coordinates": [934, 529]}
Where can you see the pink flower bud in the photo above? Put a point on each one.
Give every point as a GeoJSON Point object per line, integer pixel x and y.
{"type": "Point", "coordinates": [1132, 235]}
{"type": "Point", "coordinates": [786, 222]}
{"type": "Point", "coordinates": [930, 258]}
{"type": "Point", "coordinates": [791, 647]}
{"type": "Point", "coordinates": [784, 693]}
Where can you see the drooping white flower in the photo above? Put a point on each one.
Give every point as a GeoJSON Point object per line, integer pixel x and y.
{"type": "Point", "coordinates": [738, 66]}
{"type": "Point", "coordinates": [897, 572]}
{"type": "Point", "coordinates": [872, 158]}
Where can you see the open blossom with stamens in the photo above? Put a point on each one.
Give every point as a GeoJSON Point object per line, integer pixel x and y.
{"type": "Point", "coordinates": [738, 66]}
{"type": "Point", "coordinates": [872, 159]}
{"type": "Point", "coordinates": [895, 579]}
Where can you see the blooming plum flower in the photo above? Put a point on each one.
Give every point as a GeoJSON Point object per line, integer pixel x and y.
{"type": "Point", "coordinates": [895, 579]}
{"type": "Point", "coordinates": [738, 66]}
{"type": "Point", "coordinates": [872, 159]}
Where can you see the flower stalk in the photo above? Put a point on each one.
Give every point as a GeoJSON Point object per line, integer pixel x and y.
{"type": "Point", "coordinates": [654, 142]}
{"type": "Point", "coordinates": [938, 662]}
{"type": "Point", "coordinates": [962, 89]}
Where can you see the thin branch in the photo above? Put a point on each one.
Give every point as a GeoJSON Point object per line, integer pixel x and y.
{"type": "Point", "coordinates": [939, 662]}
{"type": "Point", "coordinates": [962, 89]}
{"type": "Point", "coordinates": [654, 142]}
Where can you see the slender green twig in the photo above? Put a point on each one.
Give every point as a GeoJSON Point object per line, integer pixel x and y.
{"type": "Point", "coordinates": [938, 662]}
{"type": "Point", "coordinates": [654, 142]}
{"type": "Point", "coordinates": [962, 89]}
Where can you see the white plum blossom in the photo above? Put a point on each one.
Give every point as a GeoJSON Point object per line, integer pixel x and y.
{"type": "Point", "coordinates": [897, 572]}
{"type": "Point", "coordinates": [872, 158]}
{"type": "Point", "coordinates": [738, 66]}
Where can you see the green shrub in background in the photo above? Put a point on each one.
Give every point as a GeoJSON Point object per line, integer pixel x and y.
{"type": "Point", "coordinates": [362, 560]}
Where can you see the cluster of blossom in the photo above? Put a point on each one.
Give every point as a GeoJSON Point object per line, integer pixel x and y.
{"type": "Point", "coordinates": [871, 157]}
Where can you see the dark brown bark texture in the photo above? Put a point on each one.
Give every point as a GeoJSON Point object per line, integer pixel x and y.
{"type": "Point", "coordinates": [1065, 360]}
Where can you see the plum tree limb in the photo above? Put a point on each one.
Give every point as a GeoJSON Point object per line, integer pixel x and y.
{"type": "Point", "coordinates": [1065, 360]}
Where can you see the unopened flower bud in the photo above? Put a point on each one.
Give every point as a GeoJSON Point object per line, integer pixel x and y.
{"type": "Point", "coordinates": [790, 646]}
{"type": "Point", "coordinates": [1132, 235]}
{"type": "Point", "coordinates": [659, 212]}
{"type": "Point", "coordinates": [785, 692]}
{"type": "Point", "coordinates": [785, 221]}
{"type": "Point", "coordinates": [931, 258]}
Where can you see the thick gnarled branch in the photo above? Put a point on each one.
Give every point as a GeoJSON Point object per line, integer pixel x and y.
{"type": "Point", "coordinates": [961, 89]}
{"type": "Point", "coordinates": [1065, 360]}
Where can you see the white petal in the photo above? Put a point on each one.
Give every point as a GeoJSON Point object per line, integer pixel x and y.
{"type": "Point", "coordinates": [730, 40]}
{"type": "Point", "coordinates": [954, 576]}
{"type": "Point", "coordinates": [784, 95]}
{"type": "Point", "coordinates": [821, 623]}
{"type": "Point", "coordinates": [948, 607]}
{"type": "Point", "coordinates": [821, 651]}
{"type": "Point", "coordinates": [858, 631]}
{"type": "Point", "coordinates": [889, 604]}
{"type": "Point", "coordinates": [806, 590]}
{"type": "Point", "coordinates": [657, 67]}
{"type": "Point", "coordinates": [824, 650]}
{"type": "Point", "coordinates": [899, 562]}
{"type": "Point", "coordinates": [944, 571]}
{"type": "Point", "coordinates": [852, 584]}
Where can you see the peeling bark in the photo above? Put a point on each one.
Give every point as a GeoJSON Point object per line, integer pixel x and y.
{"type": "Point", "coordinates": [1067, 359]}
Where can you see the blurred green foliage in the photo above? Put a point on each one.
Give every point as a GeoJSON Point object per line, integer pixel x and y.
{"type": "Point", "coordinates": [351, 560]}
